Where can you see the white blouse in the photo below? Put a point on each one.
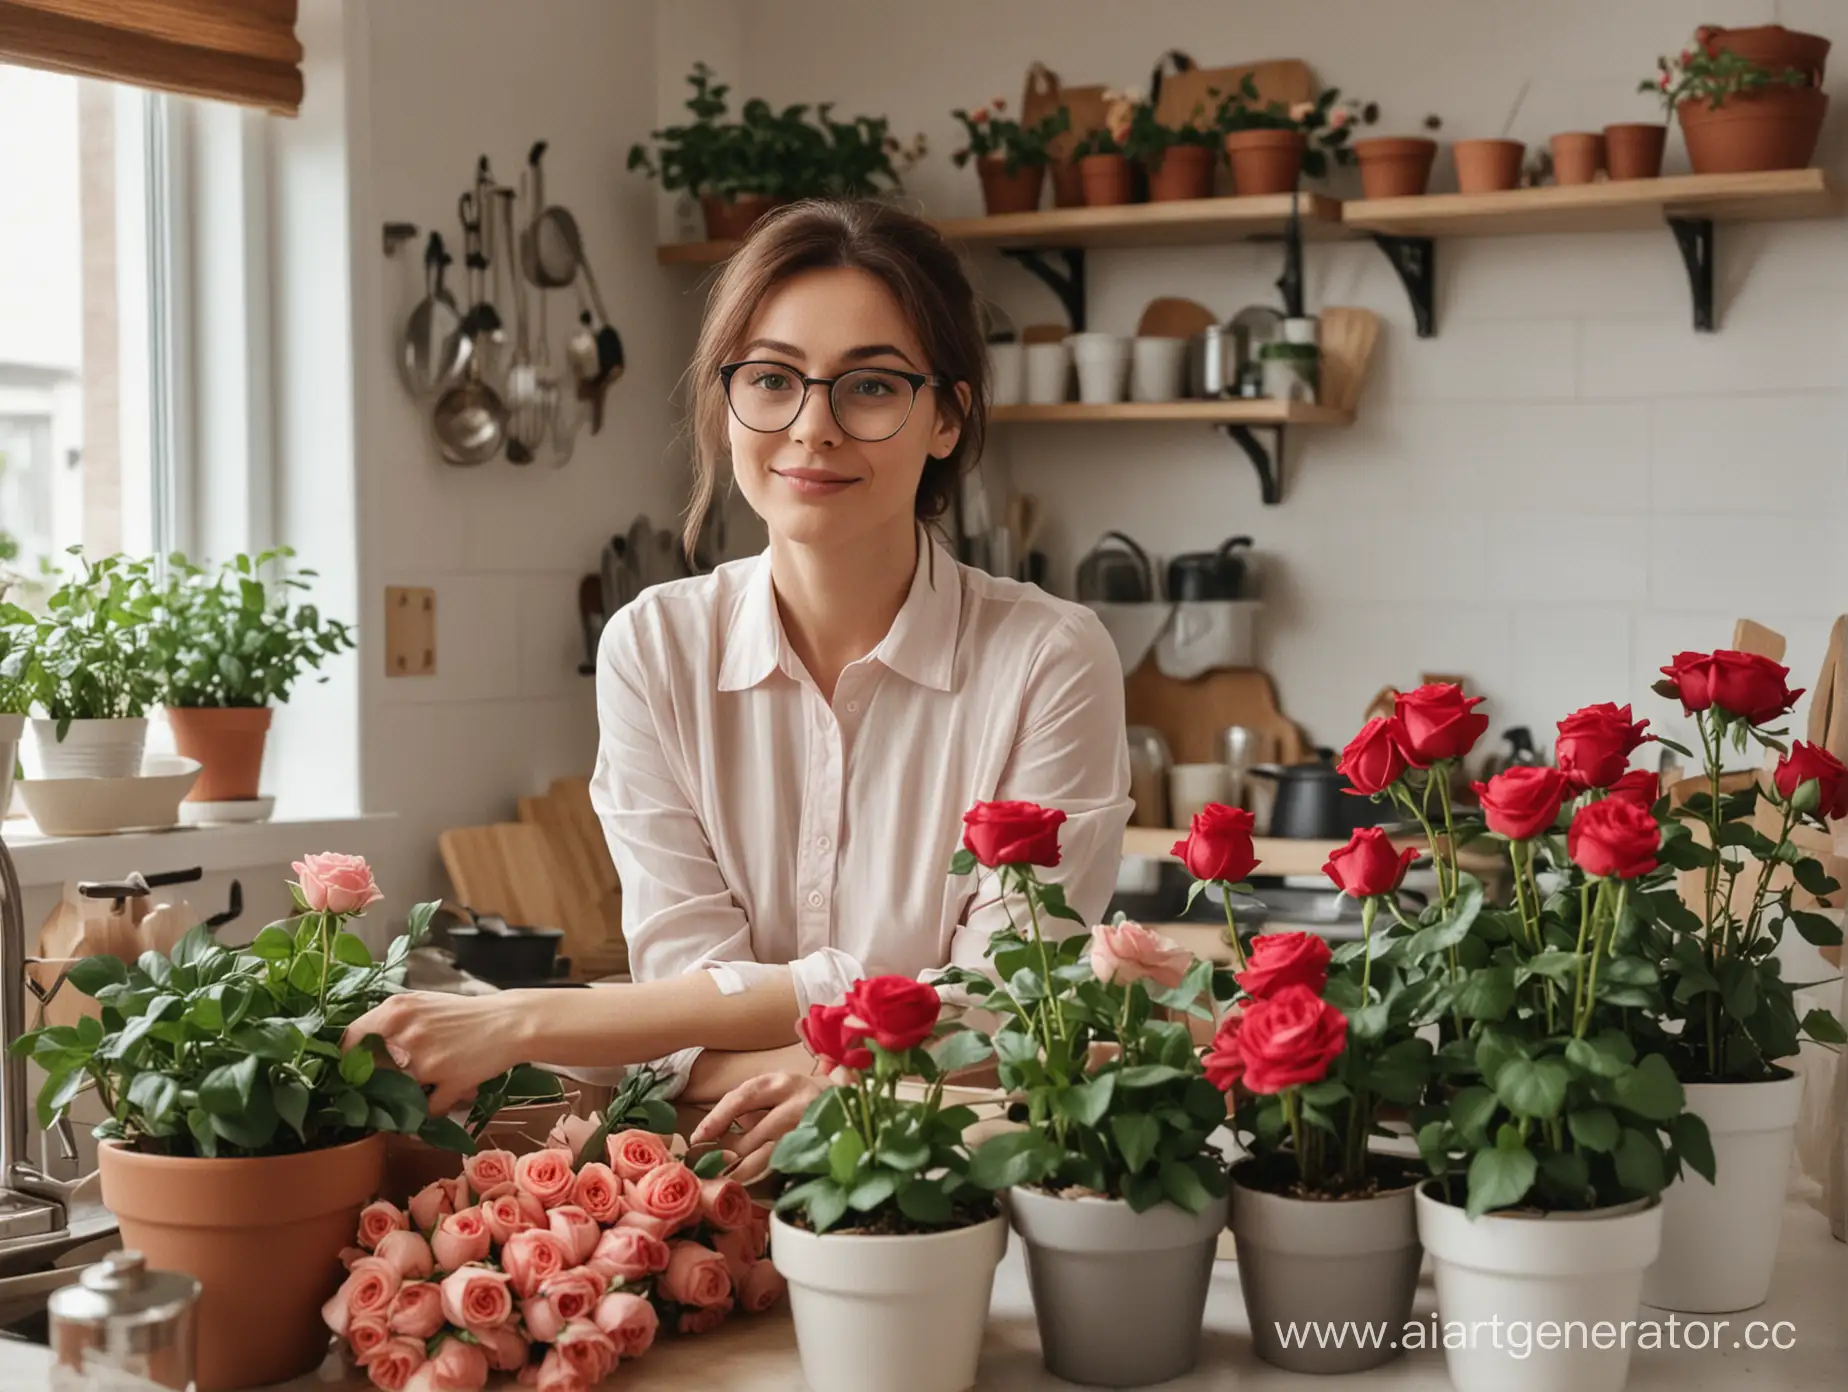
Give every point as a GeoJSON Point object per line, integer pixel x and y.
{"type": "Point", "coordinates": [753, 823]}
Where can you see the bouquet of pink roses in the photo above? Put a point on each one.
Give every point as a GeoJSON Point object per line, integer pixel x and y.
{"type": "Point", "coordinates": [554, 1265]}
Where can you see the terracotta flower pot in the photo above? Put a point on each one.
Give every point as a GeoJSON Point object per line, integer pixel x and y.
{"type": "Point", "coordinates": [1774, 128]}
{"type": "Point", "coordinates": [1488, 166]}
{"type": "Point", "coordinates": [1003, 192]}
{"type": "Point", "coordinates": [1181, 171]}
{"type": "Point", "coordinates": [1108, 180]}
{"type": "Point", "coordinates": [731, 219]}
{"type": "Point", "coordinates": [1265, 161]}
{"type": "Point", "coordinates": [1067, 184]}
{"type": "Point", "coordinates": [1395, 166]}
{"type": "Point", "coordinates": [228, 741]}
{"type": "Point", "coordinates": [1633, 149]}
{"type": "Point", "coordinates": [1577, 156]}
{"type": "Point", "coordinates": [1772, 46]}
{"type": "Point", "coordinates": [262, 1237]}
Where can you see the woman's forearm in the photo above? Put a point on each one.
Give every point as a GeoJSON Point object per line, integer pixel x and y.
{"type": "Point", "coordinates": [633, 1022]}
{"type": "Point", "coordinates": [716, 1072]}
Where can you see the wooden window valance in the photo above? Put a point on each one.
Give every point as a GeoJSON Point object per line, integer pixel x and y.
{"type": "Point", "coordinates": [234, 50]}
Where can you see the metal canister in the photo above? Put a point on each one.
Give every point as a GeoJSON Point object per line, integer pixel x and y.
{"type": "Point", "coordinates": [125, 1321]}
{"type": "Point", "coordinates": [1212, 360]}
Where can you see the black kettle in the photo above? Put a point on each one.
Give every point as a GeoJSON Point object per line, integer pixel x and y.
{"type": "Point", "coordinates": [1315, 801]}
{"type": "Point", "coordinates": [1116, 571]}
{"type": "Point", "coordinates": [1209, 575]}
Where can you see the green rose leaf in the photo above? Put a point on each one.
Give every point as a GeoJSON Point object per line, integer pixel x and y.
{"type": "Point", "coordinates": [1500, 1175]}
{"type": "Point", "coordinates": [923, 1201]}
{"type": "Point", "coordinates": [1533, 1087]}
{"type": "Point", "coordinates": [1639, 1161]}
{"type": "Point", "coordinates": [844, 1157]}
{"type": "Point", "coordinates": [91, 974]}
{"type": "Point", "coordinates": [1650, 1090]}
{"type": "Point", "coordinates": [1086, 1103]}
{"type": "Point", "coordinates": [1183, 1186]}
{"type": "Point", "coordinates": [1594, 1128]}
{"type": "Point", "coordinates": [1004, 1161]}
{"type": "Point", "coordinates": [1136, 1135]}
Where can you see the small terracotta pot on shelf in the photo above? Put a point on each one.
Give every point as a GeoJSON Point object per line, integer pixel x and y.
{"type": "Point", "coordinates": [1773, 128]}
{"type": "Point", "coordinates": [731, 219]}
{"type": "Point", "coordinates": [1633, 149]}
{"type": "Point", "coordinates": [1108, 180]}
{"type": "Point", "coordinates": [1182, 171]}
{"type": "Point", "coordinates": [1577, 156]}
{"type": "Point", "coordinates": [1395, 166]}
{"type": "Point", "coordinates": [1002, 192]}
{"type": "Point", "coordinates": [1067, 184]}
{"type": "Point", "coordinates": [228, 742]}
{"type": "Point", "coordinates": [1488, 166]}
{"type": "Point", "coordinates": [1264, 161]}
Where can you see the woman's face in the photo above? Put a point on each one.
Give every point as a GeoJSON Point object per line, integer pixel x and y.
{"type": "Point", "coordinates": [813, 483]}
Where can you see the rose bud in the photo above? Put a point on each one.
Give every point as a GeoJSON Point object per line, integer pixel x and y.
{"type": "Point", "coordinates": [1375, 758]}
{"type": "Point", "coordinates": [1367, 866]}
{"type": "Point", "coordinates": [1523, 802]}
{"type": "Point", "coordinates": [897, 1011]}
{"type": "Point", "coordinates": [1807, 762]}
{"type": "Point", "coordinates": [1282, 960]}
{"type": "Point", "coordinates": [1438, 722]}
{"type": "Point", "coordinates": [1594, 745]}
{"type": "Point", "coordinates": [1217, 847]}
{"type": "Point", "coordinates": [1614, 839]}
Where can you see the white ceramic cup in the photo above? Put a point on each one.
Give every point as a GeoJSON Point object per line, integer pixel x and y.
{"type": "Point", "coordinates": [1158, 369]}
{"type": "Point", "coordinates": [1048, 367]}
{"type": "Point", "coordinates": [1103, 361]}
{"type": "Point", "coordinates": [1307, 329]}
{"type": "Point", "coordinates": [1192, 786]}
{"type": "Point", "coordinates": [1007, 373]}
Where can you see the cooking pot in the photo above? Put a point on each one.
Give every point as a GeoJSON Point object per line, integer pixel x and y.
{"type": "Point", "coordinates": [1209, 575]}
{"type": "Point", "coordinates": [503, 955]}
{"type": "Point", "coordinates": [1116, 571]}
{"type": "Point", "coordinates": [1315, 802]}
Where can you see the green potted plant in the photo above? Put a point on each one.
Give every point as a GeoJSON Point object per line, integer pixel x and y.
{"type": "Point", "coordinates": [1010, 158]}
{"type": "Point", "coordinates": [1105, 171]}
{"type": "Point", "coordinates": [888, 1245]}
{"type": "Point", "coordinates": [242, 1139]}
{"type": "Point", "coordinates": [1739, 112]}
{"type": "Point", "coordinates": [1179, 159]}
{"type": "Point", "coordinates": [88, 670]}
{"type": "Point", "coordinates": [17, 631]}
{"type": "Point", "coordinates": [227, 646]}
{"type": "Point", "coordinates": [1270, 146]}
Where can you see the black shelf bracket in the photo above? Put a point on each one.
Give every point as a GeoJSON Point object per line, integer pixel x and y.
{"type": "Point", "coordinates": [1268, 463]}
{"type": "Point", "coordinates": [1415, 259]}
{"type": "Point", "coordinates": [1695, 238]}
{"type": "Point", "coordinates": [1067, 284]}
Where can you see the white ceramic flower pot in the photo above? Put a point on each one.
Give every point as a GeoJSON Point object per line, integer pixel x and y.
{"type": "Point", "coordinates": [1102, 360]}
{"type": "Point", "coordinates": [1719, 1240]}
{"type": "Point", "coordinates": [904, 1314]}
{"type": "Point", "coordinates": [1158, 371]}
{"type": "Point", "coordinates": [1528, 1295]}
{"type": "Point", "coordinates": [90, 748]}
{"type": "Point", "coordinates": [12, 730]}
{"type": "Point", "coordinates": [1049, 365]}
{"type": "Point", "coordinates": [1007, 374]}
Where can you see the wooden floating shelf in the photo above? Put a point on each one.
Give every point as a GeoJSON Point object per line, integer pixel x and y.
{"type": "Point", "coordinates": [1234, 412]}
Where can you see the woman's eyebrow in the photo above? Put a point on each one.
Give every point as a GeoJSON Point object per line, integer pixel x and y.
{"type": "Point", "coordinates": [874, 350]}
{"type": "Point", "coordinates": [774, 345]}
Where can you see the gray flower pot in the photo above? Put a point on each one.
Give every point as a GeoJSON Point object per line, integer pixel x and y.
{"type": "Point", "coordinates": [1119, 1295]}
{"type": "Point", "coordinates": [1351, 1264]}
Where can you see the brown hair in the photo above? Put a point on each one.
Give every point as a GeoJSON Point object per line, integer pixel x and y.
{"type": "Point", "coordinates": [906, 255]}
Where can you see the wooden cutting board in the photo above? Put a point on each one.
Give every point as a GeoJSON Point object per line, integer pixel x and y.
{"type": "Point", "coordinates": [1190, 714]}
{"type": "Point", "coordinates": [1168, 316]}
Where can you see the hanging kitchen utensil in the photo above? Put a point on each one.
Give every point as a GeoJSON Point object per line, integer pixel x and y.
{"type": "Point", "coordinates": [435, 347]}
{"type": "Point", "coordinates": [470, 419]}
{"type": "Point", "coordinates": [546, 387]}
{"type": "Point", "coordinates": [524, 429]}
{"type": "Point", "coordinates": [559, 240]}
{"type": "Point", "coordinates": [548, 260]}
{"type": "Point", "coordinates": [592, 615]}
{"type": "Point", "coordinates": [488, 329]}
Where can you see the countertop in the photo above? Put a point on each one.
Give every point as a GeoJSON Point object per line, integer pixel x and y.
{"type": "Point", "coordinates": [758, 1354]}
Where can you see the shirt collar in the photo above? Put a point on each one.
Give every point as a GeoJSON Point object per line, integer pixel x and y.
{"type": "Point", "coordinates": [921, 645]}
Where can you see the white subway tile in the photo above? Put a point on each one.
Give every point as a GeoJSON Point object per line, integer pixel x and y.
{"type": "Point", "coordinates": [1504, 360]}
{"type": "Point", "coordinates": [1561, 557]}
{"type": "Point", "coordinates": [1570, 656]}
{"type": "Point", "coordinates": [1743, 566]}
{"type": "Point", "coordinates": [1739, 455]}
{"type": "Point", "coordinates": [1764, 343]}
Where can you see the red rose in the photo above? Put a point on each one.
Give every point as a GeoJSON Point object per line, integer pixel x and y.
{"type": "Point", "coordinates": [1289, 1039]}
{"type": "Point", "coordinates": [1012, 833]}
{"type": "Point", "coordinates": [1595, 745]}
{"type": "Point", "coordinates": [1741, 684]}
{"type": "Point", "coordinates": [1438, 722]}
{"type": "Point", "coordinates": [1218, 846]}
{"type": "Point", "coordinates": [1807, 761]}
{"type": "Point", "coordinates": [1225, 1060]}
{"type": "Point", "coordinates": [897, 1011]}
{"type": "Point", "coordinates": [1638, 786]}
{"type": "Point", "coordinates": [1375, 757]}
{"type": "Point", "coordinates": [832, 1040]}
{"type": "Point", "coordinates": [1282, 960]}
{"type": "Point", "coordinates": [1614, 839]}
{"type": "Point", "coordinates": [1367, 865]}
{"type": "Point", "coordinates": [1523, 802]}
{"type": "Point", "coordinates": [1688, 678]}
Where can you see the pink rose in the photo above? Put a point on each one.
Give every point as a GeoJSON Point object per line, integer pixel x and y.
{"type": "Point", "coordinates": [476, 1298]}
{"type": "Point", "coordinates": [417, 1310]}
{"type": "Point", "coordinates": [408, 1254]}
{"type": "Point", "coordinates": [629, 1320]}
{"type": "Point", "coordinates": [703, 1321]}
{"type": "Point", "coordinates": [634, 1153]}
{"type": "Point", "coordinates": [1126, 952]}
{"type": "Point", "coordinates": [541, 1320]}
{"type": "Point", "coordinates": [628, 1254]}
{"type": "Point", "coordinates": [598, 1192]}
{"type": "Point", "coordinates": [546, 1175]}
{"type": "Point", "coordinates": [573, 1133]}
{"type": "Point", "coordinates": [377, 1219]}
{"type": "Point", "coordinates": [760, 1227]}
{"type": "Point", "coordinates": [660, 1228]}
{"type": "Point", "coordinates": [367, 1292]}
{"type": "Point", "coordinates": [575, 1228]}
{"type": "Point", "coordinates": [436, 1200]}
{"type": "Point", "coordinates": [587, 1350]}
{"type": "Point", "coordinates": [512, 1213]}
{"type": "Point", "coordinates": [739, 1250]}
{"type": "Point", "coordinates": [460, 1238]}
{"type": "Point", "coordinates": [335, 883]}
{"type": "Point", "coordinates": [575, 1293]}
{"type": "Point", "coordinates": [487, 1170]}
{"type": "Point", "coordinates": [349, 1255]}
{"type": "Point", "coordinates": [532, 1258]}
{"type": "Point", "coordinates": [695, 1275]}
{"type": "Point", "coordinates": [457, 1366]}
{"type": "Point", "coordinates": [557, 1375]}
{"type": "Point", "coordinates": [393, 1362]}
{"type": "Point", "coordinates": [763, 1287]}
{"type": "Point", "coordinates": [507, 1349]}
{"type": "Point", "coordinates": [668, 1192]}
{"type": "Point", "coordinates": [724, 1204]}
{"type": "Point", "coordinates": [366, 1336]}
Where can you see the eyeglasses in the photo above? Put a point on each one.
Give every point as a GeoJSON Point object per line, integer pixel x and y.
{"type": "Point", "coordinates": [871, 403]}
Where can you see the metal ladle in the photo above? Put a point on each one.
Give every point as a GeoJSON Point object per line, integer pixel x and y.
{"type": "Point", "coordinates": [470, 419]}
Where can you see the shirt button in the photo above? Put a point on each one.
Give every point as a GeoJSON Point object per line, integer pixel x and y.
{"type": "Point", "coordinates": [822, 843]}
{"type": "Point", "coordinates": [815, 898]}
{"type": "Point", "coordinates": [852, 706]}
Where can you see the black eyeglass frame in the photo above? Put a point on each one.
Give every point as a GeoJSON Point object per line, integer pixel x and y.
{"type": "Point", "coordinates": [917, 380]}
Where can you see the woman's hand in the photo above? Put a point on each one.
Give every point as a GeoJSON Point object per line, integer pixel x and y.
{"type": "Point", "coordinates": [450, 1043]}
{"type": "Point", "coordinates": [779, 1098]}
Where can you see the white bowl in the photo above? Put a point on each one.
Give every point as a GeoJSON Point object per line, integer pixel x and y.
{"type": "Point", "coordinates": [226, 813]}
{"type": "Point", "coordinates": [104, 806]}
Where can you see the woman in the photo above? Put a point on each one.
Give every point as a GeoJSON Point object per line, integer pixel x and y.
{"type": "Point", "coordinates": [788, 744]}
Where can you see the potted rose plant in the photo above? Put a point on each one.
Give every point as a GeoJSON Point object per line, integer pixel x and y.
{"type": "Point", "coordinates": [1178, 160]}
{"type": "Point", "coordinates": [1730, 1015]}
{"type": "Point", "coordinates": [888, 1244]}
{"type": "Point", "coordinates": [1745, 105]}
{"type": "Point", "coordinates": [1108, 177]}
{"type": "Point", "coordinates": [227, 647]}
{"type": "Point", "coordinates": [1269, 147]}
{"type": "Point", "coordinates": [242, 1140]}
{"type": "Point", "coordinates": [1010, 158]}
{"type": "Point", "coordinates": [1113, 1185]}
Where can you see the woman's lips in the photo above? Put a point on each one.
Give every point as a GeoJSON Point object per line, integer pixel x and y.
{"type": "Point", "coordinates": [814, 482]}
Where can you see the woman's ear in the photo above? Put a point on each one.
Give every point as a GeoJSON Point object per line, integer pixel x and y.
{"type": "Point", "coordinates": [949, 431]}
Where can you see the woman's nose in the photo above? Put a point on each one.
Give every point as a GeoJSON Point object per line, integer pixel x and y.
{"type": "Point", "coordinates": [815, 426]}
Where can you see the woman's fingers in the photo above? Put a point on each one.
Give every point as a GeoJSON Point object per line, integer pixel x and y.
{"type": "Point", "coordinates": [753, 1095]}
{"type": "Point", "coordinates": [780, 1121]}
{"type": "Point", "coordinates": [753, 1166]}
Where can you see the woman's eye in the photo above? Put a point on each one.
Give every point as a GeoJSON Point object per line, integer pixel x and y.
{"type": "Point", "coordinates": [770, 381]}
{"type": "Point", "coordinates": [873, 386]}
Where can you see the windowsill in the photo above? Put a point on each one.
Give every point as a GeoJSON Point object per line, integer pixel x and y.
{"type": "Point", "coordinates": [46, 860]}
